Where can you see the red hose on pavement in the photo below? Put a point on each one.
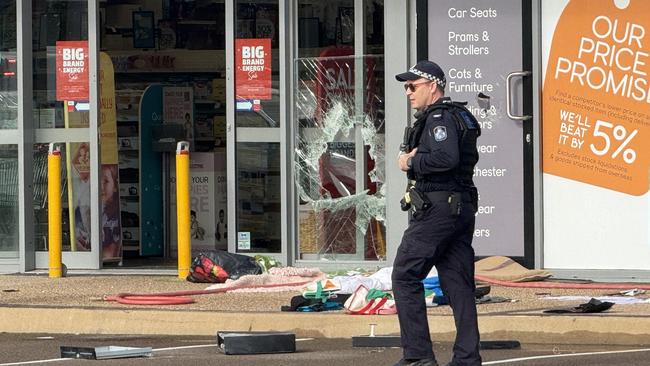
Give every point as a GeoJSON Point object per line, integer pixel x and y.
{"type": "Point", "coordinates": [548, 284]}
{"type": "Point", "coordinates": [181, 297]}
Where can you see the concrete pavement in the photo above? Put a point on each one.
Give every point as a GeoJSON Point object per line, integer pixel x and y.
{"type": "Point", "coordinates": [36, 304]}
{"type": "Point", "coordinates": [528, 328]}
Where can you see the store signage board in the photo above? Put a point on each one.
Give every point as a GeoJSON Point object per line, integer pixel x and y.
{"type": "Point", "coordinates": [478, 43]}
{"type": "Point", "coordinates": [72, 71]}
{"type": "Point", "coordinates": [253, 68]}
{"type": "Point", "coordinates": [78, 106]}
{"type": "Point", "coordinates": [248, 105]}
{"type": "Point", "coordinates": [601, 119]}
{"type": "Point", "coordinates": [596, 107]}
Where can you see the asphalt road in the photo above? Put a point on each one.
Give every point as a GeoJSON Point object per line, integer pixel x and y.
{"type": "Point", "coordinates": [24, 349]}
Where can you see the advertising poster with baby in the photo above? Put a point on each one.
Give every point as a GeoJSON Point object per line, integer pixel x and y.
{"type": "Point", "coordinates": [78, 164]}
{"type": "Point", "coordinates": [111, 235]}
{"type": "Point", "coordinates": [596, 129]}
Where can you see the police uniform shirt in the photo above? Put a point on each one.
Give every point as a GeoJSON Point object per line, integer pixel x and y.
{"type": "Point", "coordinates": [438, 152]}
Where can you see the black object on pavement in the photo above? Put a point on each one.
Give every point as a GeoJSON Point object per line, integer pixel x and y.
{"type": "Point", "coordinates": [377, 341]}
{"type": "Point", "coordinates": [481, 291]}
{"type": "Point", "coordinates": [499, 344]}
{"type": "Point", "coordinates": [593, 306]}
{"type": "Point", "coordinates": [248, 343]}
{"type": "Point", "coordinates": [236, 265]}
{"type": "Point", "coordinates": [300, 301]}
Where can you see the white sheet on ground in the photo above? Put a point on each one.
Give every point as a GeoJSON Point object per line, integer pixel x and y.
{"type": "Point", "coordinates": [380, 280]}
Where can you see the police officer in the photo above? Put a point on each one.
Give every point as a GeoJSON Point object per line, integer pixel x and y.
{"type": "Point", "coordinates": [443, 202]}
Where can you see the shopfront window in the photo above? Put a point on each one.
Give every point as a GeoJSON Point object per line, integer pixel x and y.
{"type": "Point", "coordinates": [341, 216]}
{"type": "Point", "coordinates": [8, 63]}
{"type": "Point", "coordinates": [8, 201]}
{"type": "Point", "coordinates": [374, 27]}
{"type": "Point", "coordinates": [75, 196]}
{"type": "Point", "coordinates": [257, 117]}
{"type": "Point", "coordinates": [61, 96]}
{"type": "Point", "coordinates": [257, 57]}
{"type": "Point", "coordinates": [61, 100]}
{"type": "Point", "coordinates": [8, 120]}
{"type": "Point", "coordinates": [325, 28]}
{"type": "Point", "coordinates": [60, 50]}
{"type": "Point", "coordinates": [339, 185]}
{"type": "Point", "coordinates": [258, 197]}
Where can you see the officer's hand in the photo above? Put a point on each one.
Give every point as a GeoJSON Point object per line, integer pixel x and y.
{"type": "Point", "coordinates": [403, 158]}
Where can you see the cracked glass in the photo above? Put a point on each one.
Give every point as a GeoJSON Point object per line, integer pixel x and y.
{"type": "Point", "coordinates": [339, 168]}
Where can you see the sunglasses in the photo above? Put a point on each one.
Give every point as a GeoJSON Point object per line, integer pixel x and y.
{"type": "Point", "coordinates": [412, 87]}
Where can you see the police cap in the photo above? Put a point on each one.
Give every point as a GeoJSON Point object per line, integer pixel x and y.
{"type": "Point", "coordinates": [424, 69]}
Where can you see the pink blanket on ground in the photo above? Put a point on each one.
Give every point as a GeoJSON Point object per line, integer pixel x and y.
{"type": "Point", "coordinates": [276, 277]}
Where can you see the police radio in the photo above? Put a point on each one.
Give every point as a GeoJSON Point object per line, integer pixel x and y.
{"type": "Point", "coordinates": [405, 147]}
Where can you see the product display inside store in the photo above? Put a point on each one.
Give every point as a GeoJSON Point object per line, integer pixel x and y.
{"type": "Point", "coordinates": [179, 47]}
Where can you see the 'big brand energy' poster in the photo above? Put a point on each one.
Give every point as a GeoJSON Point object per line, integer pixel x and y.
{"type": "Point", "coordinates": [596, 122]}
{"type": "Point", "coordinates": [253, 68]}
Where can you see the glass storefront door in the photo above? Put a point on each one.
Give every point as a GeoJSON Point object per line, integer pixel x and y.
{"type": "Point", "coordinates": [62, 114]}
{"type": "Point", "coordinates": [8, 201]}
{"type": "Point", "coordinates": [338, 119]}
{"type": "Point", "coordinates": [466, 38]}
{"type": "Point", "coordinates": [258, 125]}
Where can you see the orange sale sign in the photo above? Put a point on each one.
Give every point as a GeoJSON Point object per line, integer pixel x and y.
{"type": "Point", "coordinates": [596, 97]}
{"type": "Point", "coordinates": [72, 70]}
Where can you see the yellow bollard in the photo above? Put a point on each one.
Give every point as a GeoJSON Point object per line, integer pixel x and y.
{"type": "Point", "coordinates": [183, 208]}
{"type": "Point", "coordinates": [54, 210]}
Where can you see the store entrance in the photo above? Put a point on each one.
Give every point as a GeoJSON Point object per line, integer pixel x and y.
{"type": "Point", "coordinates": [495, 78]}
{"type": "Point", "coordinates": [169, 72]}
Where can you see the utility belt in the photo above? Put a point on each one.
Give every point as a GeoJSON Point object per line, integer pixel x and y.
{"type": "Point", "coordinates": [421, 201]}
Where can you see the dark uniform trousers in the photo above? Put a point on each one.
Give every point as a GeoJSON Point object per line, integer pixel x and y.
{"type": "Point", "coordinates": [436, 237]}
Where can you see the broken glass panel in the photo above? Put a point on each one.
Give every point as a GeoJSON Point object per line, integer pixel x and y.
{"type": "Point", "coordinates": [339, 157]}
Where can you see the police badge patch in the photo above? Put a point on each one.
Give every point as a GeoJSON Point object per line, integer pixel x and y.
{"type": "Point", "coordinates": [440, 133]}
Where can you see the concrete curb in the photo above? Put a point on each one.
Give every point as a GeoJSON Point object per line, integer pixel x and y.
{"type": "Point", "coordinates": [572, 329]}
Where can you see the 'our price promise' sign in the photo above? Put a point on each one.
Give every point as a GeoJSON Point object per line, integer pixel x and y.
{"type": "Point", "coordinates": [597, 96]}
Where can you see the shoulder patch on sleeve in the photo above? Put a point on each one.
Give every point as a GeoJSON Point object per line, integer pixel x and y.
{"type": "Point", "coordinates": [440, 133]}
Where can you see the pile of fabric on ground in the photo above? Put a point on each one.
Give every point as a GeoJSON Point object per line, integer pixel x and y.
{"type": "Point", "coordinates": [356, 292]}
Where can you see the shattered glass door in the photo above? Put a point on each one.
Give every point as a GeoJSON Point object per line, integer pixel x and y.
{"type": "Point", "coordinates": [339, 158]}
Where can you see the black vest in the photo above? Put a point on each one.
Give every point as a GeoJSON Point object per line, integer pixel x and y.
{"type": "Point", "coordinates": [468, 131]}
